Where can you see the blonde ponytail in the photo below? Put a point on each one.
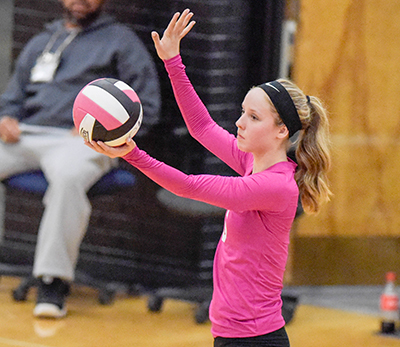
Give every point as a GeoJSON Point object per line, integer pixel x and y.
{"type": "Point", "coordinates": [312, 152]}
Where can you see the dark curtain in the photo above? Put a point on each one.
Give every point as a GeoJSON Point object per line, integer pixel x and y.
{"type": "Point", "coordinates": [264, 33]}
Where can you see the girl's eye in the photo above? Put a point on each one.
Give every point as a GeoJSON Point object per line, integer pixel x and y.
{"type": "Point", "coordinates": [242, 111]}
{"type": "Point", "coordinates": [251, 115]}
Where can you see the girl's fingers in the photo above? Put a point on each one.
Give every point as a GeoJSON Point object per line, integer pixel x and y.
{"type": "Point", "coordinates": [178, 22]}
{"type": "Point", "coordinates": [104, 147]}
{"type": "Point", "coordinates": [98, 146]}
{"type": "Point", "coordinates": [93, 145]}
{"type": "Point", "coordinates": [172, 22]}
{"type": "Point", "coordinates": [184, 19]}
{"type": "Point", "coordinates": [188, 28]}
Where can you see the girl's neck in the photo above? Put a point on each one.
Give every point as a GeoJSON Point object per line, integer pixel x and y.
{"type": "Point", "coordinates": [264, 162]}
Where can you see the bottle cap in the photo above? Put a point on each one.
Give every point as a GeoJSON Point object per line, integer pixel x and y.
{"type": "Point", "coordinates": [390, 276]}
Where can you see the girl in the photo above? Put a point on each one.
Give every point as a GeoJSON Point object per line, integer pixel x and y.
{"type": "Point", "coordinates": [261, 203]}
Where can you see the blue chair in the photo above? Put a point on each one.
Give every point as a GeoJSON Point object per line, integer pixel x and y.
{"type": "Point", "coordinates": [34, 182]}
{"type": "Point", "coordinates": [118, 179]}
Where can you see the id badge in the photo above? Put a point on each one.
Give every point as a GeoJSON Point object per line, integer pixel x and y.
{"type": "Point", "coordinates": [45, 68]}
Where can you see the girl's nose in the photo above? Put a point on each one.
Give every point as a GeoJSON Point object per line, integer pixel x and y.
{"type": "Point", "coordinates": [239, 122]}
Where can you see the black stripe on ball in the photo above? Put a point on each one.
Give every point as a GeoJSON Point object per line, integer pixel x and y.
{"type": "Point", "coordinates": [102, 134]}
{"type": "Point", "coordinates": [108, 85]}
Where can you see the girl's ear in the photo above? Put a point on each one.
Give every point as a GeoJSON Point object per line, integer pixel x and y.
{"type": "Point", "coordinates": [283, 132]}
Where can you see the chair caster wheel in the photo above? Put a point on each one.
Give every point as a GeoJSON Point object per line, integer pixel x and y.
{"type": "Point", "coordinates": [19, 294]}
{"type": "Point", "coordinates": [106, 297]}
{"type": "Point", "coordinates": [154, 303]}
{"type": "Point", "coordinates": [201, 314]}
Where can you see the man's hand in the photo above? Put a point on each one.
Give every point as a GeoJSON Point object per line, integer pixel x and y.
{"type": "Point", "coordinates": [9, 130]}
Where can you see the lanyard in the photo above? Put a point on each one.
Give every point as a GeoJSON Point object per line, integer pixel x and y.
{"type": "Point", "coordinates": [63, 45]}
{"type": "Point", "coordinates": [47, 63]}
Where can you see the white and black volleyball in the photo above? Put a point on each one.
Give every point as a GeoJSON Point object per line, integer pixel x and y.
{"type": "Point", "coordinates": [107, 110]}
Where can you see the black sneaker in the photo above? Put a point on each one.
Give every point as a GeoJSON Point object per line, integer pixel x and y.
{"type": "Point", "coordinates": [51, 295]}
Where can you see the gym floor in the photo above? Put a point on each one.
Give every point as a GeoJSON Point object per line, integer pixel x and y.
{"type": "Point", "coordinates": [326, 316]}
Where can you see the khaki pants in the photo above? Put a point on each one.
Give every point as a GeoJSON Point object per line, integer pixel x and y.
{"type": "Point", "coordinates": [71, 169]}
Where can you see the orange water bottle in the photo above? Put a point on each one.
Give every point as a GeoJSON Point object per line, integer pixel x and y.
{"type": "Point", "coordinates": [389, 305]}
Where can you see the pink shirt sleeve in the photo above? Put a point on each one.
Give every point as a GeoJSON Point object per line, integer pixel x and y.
{"type": "Point", "coordinates": [262, 191]}
{"type": "Point", "coordinates": [199, 122]}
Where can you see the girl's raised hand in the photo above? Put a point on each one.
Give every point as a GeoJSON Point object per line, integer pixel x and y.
{"type": "Point", "coordinates": [169, 45]}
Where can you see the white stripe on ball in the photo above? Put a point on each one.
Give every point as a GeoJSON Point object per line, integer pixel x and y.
{"type": "Point", "coordinates": [107, 101]}
{"type": "Point", "coordinates": [122, 85]}
{"type": "Point", "coordinates": [86, 127]}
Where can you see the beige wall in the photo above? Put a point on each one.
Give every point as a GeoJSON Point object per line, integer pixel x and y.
{"type": "Point", "coordinates": [348, 53]}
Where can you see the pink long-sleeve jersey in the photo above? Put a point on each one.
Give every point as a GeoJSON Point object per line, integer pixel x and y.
{"type": "Point", "coordinates": [251, 255]}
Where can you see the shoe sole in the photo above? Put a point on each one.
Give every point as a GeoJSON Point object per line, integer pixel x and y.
{"type": "Point", "coordinates": [46, 310]}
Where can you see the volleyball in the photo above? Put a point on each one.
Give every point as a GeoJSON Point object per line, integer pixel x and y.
{"type": "Point", "coordinates": [107, 110]}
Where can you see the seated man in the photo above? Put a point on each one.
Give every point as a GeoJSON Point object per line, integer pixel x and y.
{"type": "Point", "coordinates": [36, 129]}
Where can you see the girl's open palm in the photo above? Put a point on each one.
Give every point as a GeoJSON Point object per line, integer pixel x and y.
{"type": "Point", "coordinates": [112, 152]}
{"type": "Point", "coordinates": [169, 45]}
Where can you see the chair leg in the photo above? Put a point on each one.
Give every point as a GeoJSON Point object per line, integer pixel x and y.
{"type": "Point", "coordinates": [20, 293]}
{"type": "Point", "coordinates": [289, 306]}
{"type": "Point", "coordinates": [201, 314]}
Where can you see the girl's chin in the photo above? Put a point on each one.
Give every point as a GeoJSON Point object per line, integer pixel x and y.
{"type": "Point", "coordinates": [241, 147]}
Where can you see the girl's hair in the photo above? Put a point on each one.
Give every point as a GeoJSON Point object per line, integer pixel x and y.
{"type": "Point", "coordinates": [312, 152]}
